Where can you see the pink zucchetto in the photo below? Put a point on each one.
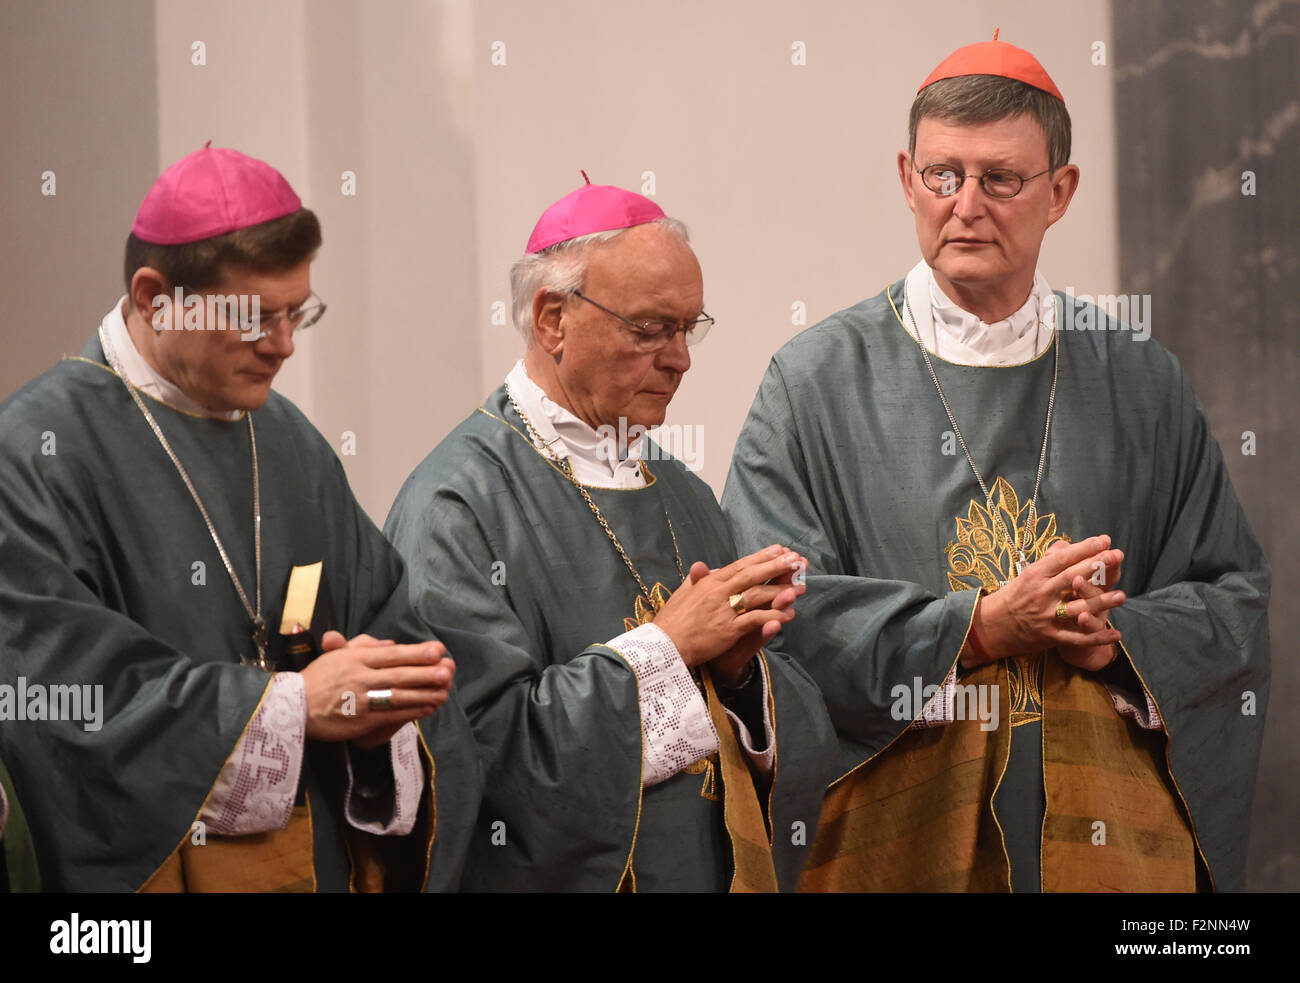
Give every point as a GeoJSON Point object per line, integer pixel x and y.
{"type": "Point", "coordinates": [209, 193]}
{"type": "Point", "coordinates": [592, 208]}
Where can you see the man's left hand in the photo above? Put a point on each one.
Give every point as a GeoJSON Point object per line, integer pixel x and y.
{"type": "Point", "coordinates": [730, 668]}
{"type": "Point", "coordinates": [1091, 658]}
{"type": "Point", "coordinates": [380, 735]}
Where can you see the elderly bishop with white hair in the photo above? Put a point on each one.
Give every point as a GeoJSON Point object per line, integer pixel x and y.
{"type": "Point", "coordinates": [636, 734]}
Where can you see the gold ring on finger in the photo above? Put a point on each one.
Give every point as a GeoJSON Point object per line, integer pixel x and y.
{"type": "Point", "coordinates": [379, 699]}
{"type": "Point", "coordinates": [737, 603]}
{"type": "Point", "coordinates": [1061, 613]}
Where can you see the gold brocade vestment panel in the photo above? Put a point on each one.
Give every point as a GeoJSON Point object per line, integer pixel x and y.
{"type": "Point", "coordinates": [918, 816]}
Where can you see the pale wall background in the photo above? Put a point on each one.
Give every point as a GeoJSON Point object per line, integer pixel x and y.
{"type": "Point", "coordinates": [785, 174]}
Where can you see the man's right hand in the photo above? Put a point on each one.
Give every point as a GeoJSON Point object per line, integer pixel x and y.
{"type": "Point", "coordinates": [338, 679]}
{"type": "Point", "coordinates": [699, 619]}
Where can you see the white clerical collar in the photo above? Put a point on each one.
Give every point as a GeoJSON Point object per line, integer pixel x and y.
{"type": "Point", "coordinates": [594, 455]}
{"type": "Point", "coordinates": [956, 335]}
{"type": "Point", "coordinates": [120, 349]}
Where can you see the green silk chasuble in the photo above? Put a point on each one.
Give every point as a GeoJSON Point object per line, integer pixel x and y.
{"type": "Point", "coordinates": [110, 578]}
{"type": "Point", "coordinates": [848, 456]}
{"type": "Point", "coordinates": [512, 570]}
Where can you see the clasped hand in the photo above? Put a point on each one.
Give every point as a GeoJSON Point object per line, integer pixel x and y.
{"type": "Point", "coordinates": [338, 680]}
{"type": "Point", "coordinates": [1021, 616]}
{"type": "Point", "coordinates": [704, 626]}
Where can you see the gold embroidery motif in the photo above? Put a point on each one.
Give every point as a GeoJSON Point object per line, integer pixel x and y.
{"type": "Point", "coordinates": [1025, 688]}
{"type": "Point", "coordinates": [644, 614]}
{"type": "Point", "coordinates": [983, 556]}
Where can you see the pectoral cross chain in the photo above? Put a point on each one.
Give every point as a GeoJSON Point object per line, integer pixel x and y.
{"type": "Point", "coordinates": [257, 631]}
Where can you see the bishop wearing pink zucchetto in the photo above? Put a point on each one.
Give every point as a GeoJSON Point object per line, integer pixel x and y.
{"type": "Point", "coordinates": [637, 734]}
{"type": "Point", "coordinates": [258, 707]}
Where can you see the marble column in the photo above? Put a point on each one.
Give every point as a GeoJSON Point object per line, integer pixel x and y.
{"type": "Point", "coordinates": [1207, 99]}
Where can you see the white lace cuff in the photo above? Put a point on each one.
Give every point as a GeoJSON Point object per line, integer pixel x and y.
{"type": "Point", "coordinates": [392, 813]}
{"type": "Point", "coordinates": [762, 760]}
{"type": "Point", "coordinates": [939, 710]}
{"type": "Point", "coordinates": [255, 791]}
{"type": "Point", "coordinates": [674, 718]}
{"type": "Point", "coordinates": [1125, 707]}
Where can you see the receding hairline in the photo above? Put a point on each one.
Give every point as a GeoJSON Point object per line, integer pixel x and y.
{"type": "Point", "coordinates": [562, 267]}
{"type": "Point", "coordinates": [664, 242]}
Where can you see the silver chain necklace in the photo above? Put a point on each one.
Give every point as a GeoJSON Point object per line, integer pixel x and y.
{"type": "Point", "coordinates": [1026, 540]}
{"type": "Point", "coordinates": [256, 624]}
{"type": "Point", "coordinates": [566, 468]}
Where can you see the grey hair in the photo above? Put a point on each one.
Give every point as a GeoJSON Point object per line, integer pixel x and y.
{"type": "Point", "coordinates": [970, 99]}
{"type": "Point", "coordinates": [562, 268]}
